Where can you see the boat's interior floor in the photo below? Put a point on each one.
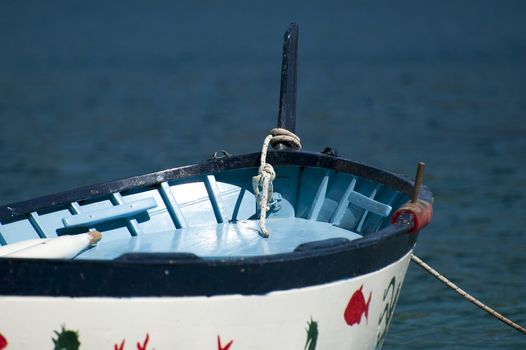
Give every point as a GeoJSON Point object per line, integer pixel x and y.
{"type": "Point", "coordinates": [223, 240]}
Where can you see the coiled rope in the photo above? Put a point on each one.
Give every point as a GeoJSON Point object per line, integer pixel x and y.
{"type": "Point", "coordinates": [466, 295]}
{"type": "Point", "coordinates": [262, 183]}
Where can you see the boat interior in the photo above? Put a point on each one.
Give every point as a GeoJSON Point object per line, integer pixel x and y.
{"type": "Point", "coordinates": [216, 215]}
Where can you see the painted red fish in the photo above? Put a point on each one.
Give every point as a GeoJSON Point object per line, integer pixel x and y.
{"type": "Point", "coordinates": [3, 342]}
{"type": "Point", "coordinates": [357, 307]}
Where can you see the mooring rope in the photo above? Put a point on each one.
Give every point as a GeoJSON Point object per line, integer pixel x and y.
{"type": "Point", "coordinates": [266, 173]}
{"type": "Point", "coordinates": [468, 296]}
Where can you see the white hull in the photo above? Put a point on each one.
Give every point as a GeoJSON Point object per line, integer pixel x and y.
{"type": "Point", "coordinates": [274, 321]}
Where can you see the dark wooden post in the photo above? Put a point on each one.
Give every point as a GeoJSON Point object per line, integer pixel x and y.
{"type": "Point", "coordinates": [289, 70]}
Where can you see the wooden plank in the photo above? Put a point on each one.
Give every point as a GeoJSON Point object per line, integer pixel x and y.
{"type": "Point", "coordinates": [215, 199]}
{"type": "Point", "coordinates": [171, 205]}
{"type": "Point", "coordinates": [123, 210]}
{"type": "Point", "coordinates": [320, 197]}
{"type": "Point", "coordinates": [33, 218]}
{"type": "Point", "coordinates": [342, 204]}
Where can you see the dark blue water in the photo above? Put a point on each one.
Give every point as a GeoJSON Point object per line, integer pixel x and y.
{"type": "Point", "coordinates": [93, 91]}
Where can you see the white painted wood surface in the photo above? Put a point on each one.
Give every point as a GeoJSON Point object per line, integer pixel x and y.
{"type": "Point", "coordinates": [274, 321]}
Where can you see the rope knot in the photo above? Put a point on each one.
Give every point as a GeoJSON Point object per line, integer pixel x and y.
{"type": "Point", "coordinates": [262, 182]}
{"type": "Point", "coordinates": [267, 170]}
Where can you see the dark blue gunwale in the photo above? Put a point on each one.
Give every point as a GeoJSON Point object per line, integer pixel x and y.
{"type": "Point", "coordinates": [149, 275]}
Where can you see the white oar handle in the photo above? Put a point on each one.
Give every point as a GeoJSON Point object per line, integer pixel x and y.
{"type": "Point", "coordinates": [63, 247]}
{"type": "Point", "coordinates": [13, 247]}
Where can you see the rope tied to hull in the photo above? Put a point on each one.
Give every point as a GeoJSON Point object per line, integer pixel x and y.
{"type": "Point", "coordinates": [417, 213]}
{"type": "Point", "coordinates": [262, 183]}
{"type": "Point", "coordinates": [467, 296]}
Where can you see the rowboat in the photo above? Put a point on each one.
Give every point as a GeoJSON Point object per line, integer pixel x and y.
{"type": "Point", "coordinates": [225, 254]}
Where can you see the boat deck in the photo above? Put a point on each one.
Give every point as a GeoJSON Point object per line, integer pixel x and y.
{"type": "Point", "coordinates": [223, 240]}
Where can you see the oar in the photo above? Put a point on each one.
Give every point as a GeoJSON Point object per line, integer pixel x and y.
{"type": "Point", "coordinates": [289, 71]}
{"type": "Point", "coordinates": [63, 247]}
{"type": "Point", "coordinates": [13, 247]}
